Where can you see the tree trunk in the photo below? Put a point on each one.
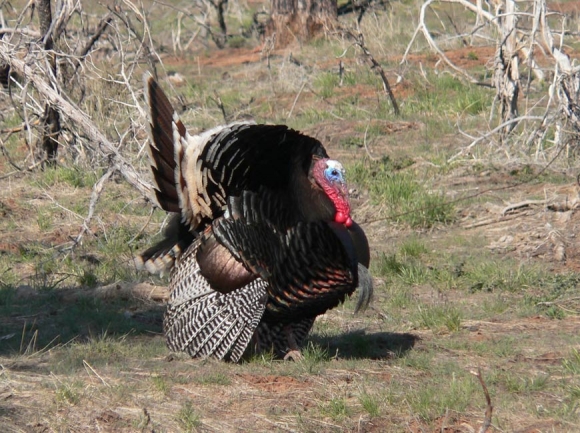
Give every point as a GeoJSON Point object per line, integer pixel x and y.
{"type": "Point", "coordinates": [51, 118]}
{"type": "Point", "coordinates": [300, 20]}
{"type": "Point", "coordinates": [506, 78]}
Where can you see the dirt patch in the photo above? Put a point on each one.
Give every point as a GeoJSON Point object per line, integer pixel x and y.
{"type": "Point", "coordinates": [569, 8]}
{"type": "Point", "coordinates": [537, 324]}
{"type": "Point", "coordinates": [467, 57]}
{"type": "Point", "coordinates": [447, 424]}
{"type": "Point", "coordinates": [228, 57]}
{"type": "Point", "coordinates": [337, 136]}
{"type": "Point", "coordinates": [278, 384]}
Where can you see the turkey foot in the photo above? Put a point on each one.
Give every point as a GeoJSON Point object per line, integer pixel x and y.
{"type": "Point", "coordinates": [293, 349]}
{"type": "Point", "coordinates": [294, 355]}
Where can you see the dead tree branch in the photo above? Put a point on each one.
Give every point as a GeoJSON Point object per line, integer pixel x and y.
{"type": "Point", "coordinates": [101, 28]}
{"type": "Point", "coordinates": [506, 77]}
{"type": "Point", "coordinates": [80, 119]}
{"type": "Point", "coordinates": [519, 35]}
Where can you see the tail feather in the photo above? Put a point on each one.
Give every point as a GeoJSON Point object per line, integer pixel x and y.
{"type": "Point", "coordinates": [163, 121]}
{"type": "Point", "coordinates": [203, 322]}
{"type": "Point", "coordinates": [365, 288]}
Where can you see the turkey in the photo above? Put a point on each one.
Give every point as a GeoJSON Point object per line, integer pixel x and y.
{"type": "Point", "coordinates": [262, 240]}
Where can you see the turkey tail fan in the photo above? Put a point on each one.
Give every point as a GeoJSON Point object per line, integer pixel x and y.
{"type": "Point", "coordinates": [164, 125]}
{"type": "Point", "coordinates": [203, 322]}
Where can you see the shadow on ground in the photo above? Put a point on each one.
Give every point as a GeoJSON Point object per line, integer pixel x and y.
{"type": "Point", "coordinates": [360, 345]}
{"type": "Point", "coordinates": [44, 318]}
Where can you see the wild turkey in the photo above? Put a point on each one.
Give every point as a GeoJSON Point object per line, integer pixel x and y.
{"type": "Point", "coordinates": [262, 241]}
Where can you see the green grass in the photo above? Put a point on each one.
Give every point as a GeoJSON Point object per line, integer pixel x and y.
{"type": "Point", "coordinates": [188, 418]}
{"type": "Point", "coordinates": [217, 378]}
{"type": "Point", "coordinates": [325, 84]}
{"type": "Point", "coordinates": [413, 247]}
{"type": "Point", "coordinates": [69, 393]}
{"type": "Point", "coordinates": [315, 359]}
{"type": "Point", "coordinates": [161, 384]}
{"type": "Point", "coordinates": [72, 176]}
{"type": "Point", "coordinates": [450, 97]}
{"type": "Point", "coordinates": [406, 198]}
{"type": "Point", "coordinates": [336, 408]}
{"type": "Point", "coordinates": [572, 362]}
{"type": "Point", "coordinates": [371, 403]}
{"type": "Point", "coordinates": [434, 399]}
{"type": "Point", "coordinates": [436, 317]}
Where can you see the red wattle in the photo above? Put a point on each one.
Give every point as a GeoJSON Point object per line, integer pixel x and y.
{"type": "Point", "coordinates": [343, 219]}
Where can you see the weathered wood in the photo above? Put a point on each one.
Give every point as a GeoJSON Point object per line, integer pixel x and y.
{"type": "Point", "coordinates": [51, 119]}
{"type": "Point", "coordinates": [80, 119]}
{"type": "Point", "coordinates": [121, 290]}
{"type": "Point", "coordinates": [506, 78]}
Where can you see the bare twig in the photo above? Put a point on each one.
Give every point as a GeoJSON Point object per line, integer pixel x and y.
{"type": "Point", "coordinates": [422, 27]}
{"type": "Point", "coordinates": [359, 41]}
{"type": "Point", "coordinates": [90, 368]}
{"type": "Point", "coordinates": [489, 408]}
{"type": "Point", "coordinates": [51, 118]}
{"type": "Point", "coordinates": [492, 132]}
{"type": "Point", "coordinates": [25, 31]}
{"type": "Point", "coordinates": [220, 104]}
{"type": "Point", "coordinates": [98, 33]}
{"type": "Point", "coordinates": [296, 99]}
{"type": "Point", "coordinates": [97, 190]}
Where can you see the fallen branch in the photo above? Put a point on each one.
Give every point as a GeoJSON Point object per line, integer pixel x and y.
{"type": "Point", "coordinates": [559, 304]}
{"type": "Point", "coordinates": [23, 31]}
{"type": "Point", "coordinates": [488, 221]}
{"type": "Point", "coordinates": [98, 33]}
{"type": "Point", "coordinates": [81, 120]}
{"type": "Point", "coordinates": [492, 132]}
{"type": "Point", "coordinates": [522, 204]}
{"type": "Point", "coordinates": [121, 290]}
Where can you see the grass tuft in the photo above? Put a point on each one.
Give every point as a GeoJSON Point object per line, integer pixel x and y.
{"type": "Point", "coordinates": [217, 378]}
{"type": "Point", "coordinates": [336, 408]}
{"type": "Point", "coordinates": [69, 393]}
{"type": "Point", "coordinates": [371, 403]}
{"type": "Point", "coordinates": [407, 200]}
{"type": "Point", "coordinates": [437, 317]}
{"type": "Point", "coordinates": [188, 418]}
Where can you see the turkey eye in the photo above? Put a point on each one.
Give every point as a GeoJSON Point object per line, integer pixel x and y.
{"type": "Point", "coordinates": [334, 172]}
